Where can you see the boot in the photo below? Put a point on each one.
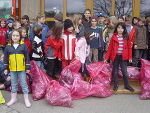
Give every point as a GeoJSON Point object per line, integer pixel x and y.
{"type": "Point", "coordinates": [115, 87]}
{"type": "Point", "coordinates": [13, 99]}
{"type": "Point", "coordinates": [126, 84]}
{"type": "Point", "coordinates": [26, 100]}
{"type": "Point", "coordinates": [129, 88]}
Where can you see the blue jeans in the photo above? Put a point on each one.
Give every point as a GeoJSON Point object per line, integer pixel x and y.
{"type": "Point", "coordinates": [14, 81]}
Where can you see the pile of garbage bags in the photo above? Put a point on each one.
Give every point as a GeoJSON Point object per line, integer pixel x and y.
{"type": "Point", "coordinates": [71, 85]}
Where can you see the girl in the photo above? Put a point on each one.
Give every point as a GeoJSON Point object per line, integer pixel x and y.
{"type": "Point", "coordinates": [52, 49]}
{"type": "Point", "coordinates": [119, 51]}
{"type": "Point", "coordinates": [17, 59]}
{"type": "Point", "coordinates": [9, 22]}
{"type": "Point", "coordinates": [69, 43]}
{"type": "Point", "coordinates": [3, 34]}
{"type": "Point", "coordinates": [140, 42]}
{"type": "Point", "coordinates": [37, 46]}
{"type": "Point", "coordinates": [79, 28]}
{"type": "Point", "coordinates": [16, 25]}
{"type": "Point", "coordinates": [82, 51]}
{"type": "Point", "coordinates": [25, 39]}
{"type": "Point", "coordinates": [86, 19]}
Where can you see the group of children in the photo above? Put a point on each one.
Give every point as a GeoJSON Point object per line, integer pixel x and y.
{"type": "Point", "coordinates": [81, 37]}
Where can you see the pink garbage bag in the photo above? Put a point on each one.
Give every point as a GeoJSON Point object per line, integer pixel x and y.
{"type": "Point", "coordinates": [133, 73]}
{"type": "Point", "coordinates": [145, 79]}
{"type": "Point", "coordinates": [40, 81]}
{"type": "Point", "coordinates": [58, 95]}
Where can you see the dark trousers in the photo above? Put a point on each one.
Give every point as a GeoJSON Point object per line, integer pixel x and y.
{"type": "Point", "coordinates": [54, 67]}
{"type": "Point", "coordinates": [100, 55]}
{"type": "Point", "coordinates": [138, 54]}
{"type": "Point", "coordinates": [123, 64]}
{"type": "Point", "coordinates": [3, 78]}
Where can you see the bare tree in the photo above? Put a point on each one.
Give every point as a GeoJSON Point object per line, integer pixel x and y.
{"type": "Point", "coordinates": [123, 7]}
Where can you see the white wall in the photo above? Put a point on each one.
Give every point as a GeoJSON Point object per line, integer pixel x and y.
{"type": "Point", "coordinates": [30, 8]}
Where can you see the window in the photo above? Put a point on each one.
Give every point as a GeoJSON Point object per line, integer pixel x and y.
{"type": "Point", "coordinates": [123, 7]}
{"type": "Point", "coordinates": [52, 7]}
{"type": "Point", "coordinates": [5, 7]}
{"type": "Point", "coordinates": [75, 6]}
{"type": "Point", "coordinates": [102, 6]}
{"type": "Point", "coordinates": [145, 9]}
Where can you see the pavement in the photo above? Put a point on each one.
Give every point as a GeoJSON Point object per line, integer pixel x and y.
{"type": "Point", "coordinates": [113, 104]}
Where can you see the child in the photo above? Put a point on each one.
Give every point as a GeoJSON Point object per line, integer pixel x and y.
{"type": "Point", "coordinates": [16, 25]}
{"type": "Point", "coordinates": [53, 47]}
{"type": "Point", "coordinates": [9, 22]}
{"type": "Point", "coordinates": [37, 46]}
{"type": "Point", "coordinates": [26, 24]}
{"type": "Point", "coordinates": [69, 43]}
{"type": "Point", "coordinates": [17, 61]}
{"type": "Point", "coordinates": [119, 51]}
{"type": "Point", "coordinates": [25, 39]}
{"type": "Point", "coordinates": [130, 29]}
{"type": "Point", "coordinates": [4, 77]}
{"type": "Point", "coordinates": [86, 19]}
{"type": "Point", "coordinates": [82, 51]}
{"type": "Point", "coordinates": [79, 28]}
{"type": "Point", "coordinates": [45, 29]}
{"type": "Point", "coordinates": [97, 43]}
{"type": "Point", "coordinates": [140, 43]}
{"type": "Point", "coordinates": [3, 34]}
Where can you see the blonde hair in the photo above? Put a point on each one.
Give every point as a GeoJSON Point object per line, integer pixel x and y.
{"type": "Point", "coordinates": [76, 18]}
{"type": "Point", "coordinates": [40, 16]}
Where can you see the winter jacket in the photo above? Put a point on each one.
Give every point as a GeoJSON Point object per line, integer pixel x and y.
{"type": "Point", "coordinates": [17, 59]}
{"type": "Point", "coordinates": [29, 45]}
{"type": "Point", "coordinates": [37, 48]}
{"type": "Point", "coordinates": [45, 30]}
{"type": "Point", "coordinates": [113, 49]}
{"type": "Point", "coordinates": [140, 38]}
{"type": "Point", "coordinates": [3, 36]}
{"type": "Point", "coordinates": [53, 47]}
{"type": "Point", "coordinates": [132, 35]}
{"type": "Point", "coordinates": [68, 48]}
{"type": "Point", "coordinates": [82, 50]}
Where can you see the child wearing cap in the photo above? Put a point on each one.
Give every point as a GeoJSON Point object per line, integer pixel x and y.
{"type": "Point", "coordinates": [69, 43]}
{"type": "Point", "coordinates": [9, 22]}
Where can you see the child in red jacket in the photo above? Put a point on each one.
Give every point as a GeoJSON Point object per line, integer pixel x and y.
{"type": "Point", "coordinates": [119, 51]}
{"type": "Point", "coordinates": [3, 33]}
{"type": "Point", "coordinates": [26, 39]}
{"type": "Point", "coordinates": [52, 49]}
{"type": "Point", "coordinates": [69, 43]}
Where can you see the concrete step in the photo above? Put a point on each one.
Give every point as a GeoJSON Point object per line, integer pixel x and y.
{"type": "Point", "coordinates": [134, 83]}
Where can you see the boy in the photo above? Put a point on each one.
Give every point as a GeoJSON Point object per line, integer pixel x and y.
{"type": "Point", "coordinates": [45, 29]}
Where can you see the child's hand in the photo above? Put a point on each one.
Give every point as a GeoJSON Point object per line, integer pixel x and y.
{"type": "Point", "coordinates": [105, 61]}
{"type": "Point", "coordinates": [135, 46]}
{"type": "Point", "coordinates": [8, 78]}
{"type": "Point", "coordinates": [5, 72]}
{"type": "Point", "coordinates": [27, 71]}
{"type": "Point", "coordinates": [130, 61]}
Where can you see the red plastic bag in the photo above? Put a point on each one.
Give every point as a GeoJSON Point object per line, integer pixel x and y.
{"type": "Point", "coordinates": [102, 92]}
{"type": "Point", "coordinates": [133, 73]}
{"type": "Point", "coordinates": [145, 78]}
{"type": "Point", "coordinates": [40, 81]}
{"type": "Point", "coordinates": [74, 66]}
{"type": "Point", "coordinates": [67, 78]}
{"type": "Point", "coordinates": [81, 89]}
{"type": "Point", "coordinates": [58, 95]}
